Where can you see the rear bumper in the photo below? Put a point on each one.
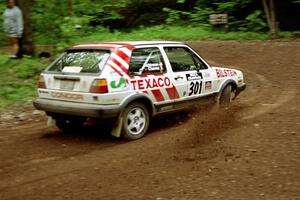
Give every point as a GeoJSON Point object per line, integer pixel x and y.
{"type": "Point", "coordinates": [77, 109]}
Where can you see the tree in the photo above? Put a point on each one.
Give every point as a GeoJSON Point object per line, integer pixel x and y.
{"type": "Point", "coordinates": [70, 7]}
{"type": "Point", "coordinates": [27, 42]}
{"type": "Point", "coordinates": [270, 12]}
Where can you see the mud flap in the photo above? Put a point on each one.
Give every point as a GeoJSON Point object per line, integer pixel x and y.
{"type": "Point", "coordinates": [117, 127]}
{"type": "Point", "coordinates": [51, 122]}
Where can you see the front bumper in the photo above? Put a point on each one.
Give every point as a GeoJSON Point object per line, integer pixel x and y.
{"type": "Point", "coordinates": [241, 88]}
{"type": "Point", "coordinates": [77, 109]}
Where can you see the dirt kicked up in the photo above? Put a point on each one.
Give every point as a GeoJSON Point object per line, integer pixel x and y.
{"type": "Point", "coordinates": [249, 151]}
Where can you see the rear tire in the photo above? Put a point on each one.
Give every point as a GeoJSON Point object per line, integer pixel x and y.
{"type": "Point", "coordinates": [135, 121]}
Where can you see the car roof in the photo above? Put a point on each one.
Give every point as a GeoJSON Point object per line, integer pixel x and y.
{"type": "Point", "coordinates": [136, 43]}
{"type": "Point", "coordinates": [113, 45]}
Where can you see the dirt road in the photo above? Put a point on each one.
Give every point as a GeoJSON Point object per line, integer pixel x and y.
{"type": "Point", "coordinates": [251, 151]}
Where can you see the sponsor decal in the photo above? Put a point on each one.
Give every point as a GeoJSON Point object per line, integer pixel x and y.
{"type": "Point", "coordinates": [194, 76]}
{"type": "Point", "coordinates": [43, 92]}
{"type": "Point", "coordinates": [225, 73]}
{"type": "Point", "coordinates": [153, 67]}
{"type": "Point", "coordinates": [68, 96]}
{"type": "Point", "coordinates": [207, 75]}
{"type": "Point", "coordinates": [118, 83]}
{"type": "Point", "coordinates": [195, 88]}
{"type": "Point", "coordinates": [208, 85]}
{"type": "Point", "coordinates": [149, 83]}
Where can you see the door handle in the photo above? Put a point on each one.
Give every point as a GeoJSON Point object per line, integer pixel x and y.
{"type": "Point", "coordinates": [178, 77]}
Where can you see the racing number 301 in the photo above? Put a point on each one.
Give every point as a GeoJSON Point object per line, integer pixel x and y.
{"type": "Point", "coordinates": [195, 87]}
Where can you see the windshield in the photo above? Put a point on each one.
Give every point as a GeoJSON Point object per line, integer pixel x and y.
{"type": "Point", "coordinates": [80, 61]}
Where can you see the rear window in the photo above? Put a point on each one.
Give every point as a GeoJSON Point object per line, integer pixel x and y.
{"type": "Point", "coordinates": [80, 61]}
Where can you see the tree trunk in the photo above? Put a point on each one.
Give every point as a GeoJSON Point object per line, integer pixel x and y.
{"type": "Point", "coordinates": [270, 12]}
{"type": "Point", "coordinates": [27, 41]}
{"type": "Point", "coordinates": [70, 7]}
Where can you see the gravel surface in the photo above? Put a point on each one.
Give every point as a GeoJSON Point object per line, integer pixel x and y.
{"type": "Point", "coordinates": [249, 151]}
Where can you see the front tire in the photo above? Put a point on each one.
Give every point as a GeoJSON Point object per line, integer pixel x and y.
{"type": "Point", "coordinates": [135, 121]}
{"type": "Point", "coordinates": [227, 95]}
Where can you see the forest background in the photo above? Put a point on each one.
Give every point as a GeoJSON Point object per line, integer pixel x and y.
{"type": "Point", "coordinates": [56, 21]}
{"type": "Point", "coordinates": [59, 24]}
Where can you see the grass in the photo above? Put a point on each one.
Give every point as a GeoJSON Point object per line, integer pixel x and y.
{"type": "Point", "coordinates": [18, 79]}
{"type": "Point", "coordinates": [163, 32]}
{"type": "Point", "coordinates": [160, 32]}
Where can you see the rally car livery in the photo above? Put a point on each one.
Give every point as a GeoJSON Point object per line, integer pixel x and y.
{"type": "Point", "coordinates": [130, 82]}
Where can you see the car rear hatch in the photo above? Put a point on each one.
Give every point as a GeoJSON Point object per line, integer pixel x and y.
{"type": "Point", "coordinates": [73, 74]}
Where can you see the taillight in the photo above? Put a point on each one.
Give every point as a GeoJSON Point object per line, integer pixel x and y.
{"type": "Point", "coordinates": [99, 86]}
{"type": "Point", "coordinates": [41, 83]}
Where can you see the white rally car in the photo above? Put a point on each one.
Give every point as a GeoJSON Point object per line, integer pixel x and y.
{"type": "Point", "coordinates": [130, 82]}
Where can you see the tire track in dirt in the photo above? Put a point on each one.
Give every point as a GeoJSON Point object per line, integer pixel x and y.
{"type": "Point", "coordinates": [273, 101]}
{"type": "Point", "coordinates": [257, 91]}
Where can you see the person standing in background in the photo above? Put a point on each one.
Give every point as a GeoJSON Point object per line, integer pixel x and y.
{"type": "Point", "coordinates": [13, 27]}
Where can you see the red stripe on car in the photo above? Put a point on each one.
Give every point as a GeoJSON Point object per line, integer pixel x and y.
{"type": "Point", "coordinates": [115, 69]}
{"type": "Point", "coordinates": [143, 75]}
{"type": "Point", "coordinates": [158, 95]}
{"type": "Point", "coordinates": [122, 55]}
{"type": "Point", "coordinates": [172, 92]}
{"type": "Point", "coordinates": [119, 65]}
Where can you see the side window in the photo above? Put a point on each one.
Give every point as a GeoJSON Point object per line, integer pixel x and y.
{"type": "Point", "coordinates": [182, 59]}
{"type": "Point", "coordinates": [199, 63]}
{"type": "Point", "coordinates": [146, 61]}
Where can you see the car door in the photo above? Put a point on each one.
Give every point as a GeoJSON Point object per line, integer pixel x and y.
{"type": "Point", "coordinates": [207, 73]}
{"type": "Point", "coordinates": [190, 74]}
{"type": "Point", "coordinates": [149, 75]}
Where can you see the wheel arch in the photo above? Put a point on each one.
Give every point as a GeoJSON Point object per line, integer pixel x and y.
{"type": "Point", "coordinates": [141, 99]}
{"type": "Point", "coordinates": [230, 82]}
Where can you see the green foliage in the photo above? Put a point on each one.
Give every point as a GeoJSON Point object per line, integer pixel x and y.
{"type": "Point", "coordinates": [72, 26]}
{"type": "Point", "coordinates": [289, 34]}
{"type": "Point", "coordinates": [18, 79]}
{"type": "Point", "coordinates": [232, 5]}
{"type": "Point", "coordinates": [59, 20]}
{"type": "Point", "coordinates": [174, 16]}
{"type": "Point", "coordinates": [47, 18]}
{"type": "Point", "coordinates": [255, 22]}
{"type": "Point", "coordinates": [201, 14]}
{"type": "Point", "coordinates": [107, 9]}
